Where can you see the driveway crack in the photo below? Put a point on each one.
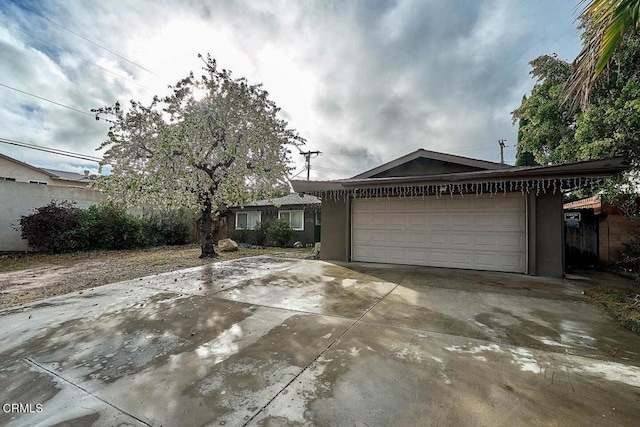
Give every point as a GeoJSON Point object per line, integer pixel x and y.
{"type": "Point", "coordinates": [315, 359]}
{"type": "Point", "coordinates": [56, 375]}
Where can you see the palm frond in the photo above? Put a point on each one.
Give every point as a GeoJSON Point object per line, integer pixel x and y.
{"type": "Point", "coordinates": [607, 22]}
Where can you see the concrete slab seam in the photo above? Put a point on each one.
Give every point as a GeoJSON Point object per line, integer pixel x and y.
{"type": "Point", "coordinates": [52, 373]}
{"type": "Point", "coordinates": [271, 307]}
{"type": "Point", "coordinates": [320, 354]}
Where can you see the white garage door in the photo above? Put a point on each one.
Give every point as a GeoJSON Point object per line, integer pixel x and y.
{"type": "Point", "coordinates": [480, 233]}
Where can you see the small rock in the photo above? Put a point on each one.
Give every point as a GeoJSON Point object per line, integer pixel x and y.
{"type": "Point", "coordinates": [227, 245]}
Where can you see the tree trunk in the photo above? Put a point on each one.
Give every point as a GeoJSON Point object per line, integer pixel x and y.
{"type": "Point", "coordinates": [206, 234]}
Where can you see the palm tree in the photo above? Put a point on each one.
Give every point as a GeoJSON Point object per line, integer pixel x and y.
{"type": "Point", "coordinates": [605, 24]}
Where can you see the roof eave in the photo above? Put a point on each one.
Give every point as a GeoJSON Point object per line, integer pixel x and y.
{"type": "Point", "coordinates": [595, 168]}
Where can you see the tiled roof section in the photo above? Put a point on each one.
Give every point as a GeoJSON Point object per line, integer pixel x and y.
{"type": "Point", "coordinates": [68, 176]}
{"type": "Point", "coordinates": [289, 199]}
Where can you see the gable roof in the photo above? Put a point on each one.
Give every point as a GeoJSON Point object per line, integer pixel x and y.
{"type": "Point", "coordinates": [432, 155]}
{"type": "Point", "coordinates": [288, 200]}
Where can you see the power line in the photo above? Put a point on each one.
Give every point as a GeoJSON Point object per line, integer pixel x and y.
{"type": "Point", "coordinates": [48, 100]}
{"type": "Point", "coordinates": [83, 37]}
{"type": "Point", "coordinates": [72, 54]}
{"type": "Point", "coordinates": [302, 170]}
{"type": "Point", "coordinates": [49, 150]}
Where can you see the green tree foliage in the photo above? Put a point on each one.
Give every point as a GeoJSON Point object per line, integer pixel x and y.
{"type": "Point", "coordinates": [554, 132]}
{"type": "Point", "coordinates": [215, 141]}
{"type": "Point", "coordinates": [547, 126]}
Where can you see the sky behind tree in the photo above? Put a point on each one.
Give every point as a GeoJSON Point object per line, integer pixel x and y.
{"type": "Point", "coordinates": [363, 81]}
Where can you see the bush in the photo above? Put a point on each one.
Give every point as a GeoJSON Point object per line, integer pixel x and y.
{"type": "Point", "coordinates": [61, 227]}
{"type": "Point", "coordinates": [109, 226]}
{"type": "Point", "coordinates": [53, 227]}
{"type": "Point", "coordinates": [172, 227]}
{"type": "Point", "coordinates": [281, 232]}
{"type": "Point", "coordinates": [261, 232]}
{"type": "Point", "coordinates": [241, 236]}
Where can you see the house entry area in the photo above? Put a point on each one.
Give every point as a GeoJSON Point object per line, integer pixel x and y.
{"type": "Point", "coordinates": [472, 232]}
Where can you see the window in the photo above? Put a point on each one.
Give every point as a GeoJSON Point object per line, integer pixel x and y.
{"type": "Point", "coordinates": [37, 182]}
{"type": "Point", "coordinates": [247, 220]}
{"type": "Point", "coordinates": [318, 218]}
{"type": "Point", "coordinates": [6, 178]}
{"type": "Point", "coordinates": [294, 218]}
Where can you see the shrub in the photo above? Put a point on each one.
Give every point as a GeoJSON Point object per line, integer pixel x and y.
{"type": "Point", "coordinates": [261, 232]}
{"type": "Point", "coordinates": [53, 227]}
{"type": "Point", "coordinates": [280, 231]}
{"type": "Point", "coordinates": [172, 227]}
{"type": "Point", "coordinates": [241, 236]}
{"type": "Point", "coordinates": [61, 227]}
{"type": "Point", "coordinates": [109, 226]}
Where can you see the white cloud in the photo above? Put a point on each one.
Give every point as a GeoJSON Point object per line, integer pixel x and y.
{"type": "Point", "coordinates": [366, 80]}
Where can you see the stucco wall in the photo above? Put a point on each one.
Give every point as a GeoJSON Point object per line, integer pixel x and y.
{"type": "Point", "coordinates": [18, 198]}
{"type": "Point", "coordinates": [549, 236]}
{"type": "Point", "coordinates": [335, 231]}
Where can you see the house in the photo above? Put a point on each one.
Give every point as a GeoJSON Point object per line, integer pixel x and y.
{"type": "Point", "coordinates": [435, 209]}
{"type": "Point", "coordinates": [24, 187]}
{"type": "Point", "coordinates": [16, 171]}
{"type": "Point", "coordinates": [597, 230]}
{"type": "Point", "coordinates": [303, 212]}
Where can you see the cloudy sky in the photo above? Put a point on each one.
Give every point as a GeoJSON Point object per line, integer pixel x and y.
{"type": "Point", "coordinates": [363, 81]}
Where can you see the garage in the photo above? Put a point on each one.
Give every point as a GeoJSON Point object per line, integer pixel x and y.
{"type": "Point", "coordinates": [479, 233]}
{"type": "Point", "coordinates": [488, 216]}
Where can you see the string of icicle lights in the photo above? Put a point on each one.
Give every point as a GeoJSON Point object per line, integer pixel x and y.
{"type": "Point", "coordinates": [544, 186]}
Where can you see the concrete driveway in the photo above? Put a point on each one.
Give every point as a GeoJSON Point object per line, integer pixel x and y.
{"type": "Point", "coordinates": [264, 341]}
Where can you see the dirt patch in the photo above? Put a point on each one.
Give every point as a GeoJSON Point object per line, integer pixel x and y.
{"type": "Point", "coordinates": [30, 277]}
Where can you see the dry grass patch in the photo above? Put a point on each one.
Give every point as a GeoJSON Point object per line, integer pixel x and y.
{"type": "Point", "coordinates": [623, 305]}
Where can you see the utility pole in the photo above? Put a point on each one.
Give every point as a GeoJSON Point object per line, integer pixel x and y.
{"type": "Point", "coordinates": [501, 143]}
{"type": "Point", "coordinates": [307, 155]}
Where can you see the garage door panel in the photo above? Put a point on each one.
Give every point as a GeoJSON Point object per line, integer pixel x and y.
{"type": "Point", "coordinates": [482, 232]}
{"type": "Point", "coordinates": [511, 240]}
{"type": "Point", "coordinates": [485, 221]}
{"type": "Point", "coordinates": [461, 222]}
{"type": "Point", "coordinates": [416, 220]}
{"type": "Point", "coordinates": [438, 221]}
{"type": "Point", "coordinates": [397, 220]}
{"type": "Point", "coordinates": [485, 241]}
{"type": "Point", "coordinates": [438, 239]}
{"type": "Point", "coordinates": [486, 260]}
{"type": "Point", "coordinates": [438, 258]}
{"type": "Point", "coordinates": [461, 239]}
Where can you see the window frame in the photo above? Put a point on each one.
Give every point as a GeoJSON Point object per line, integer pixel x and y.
{"type": "Point", "coordinates": [290, 211]}
{"type": "Point", "coordinates": [247, 213]}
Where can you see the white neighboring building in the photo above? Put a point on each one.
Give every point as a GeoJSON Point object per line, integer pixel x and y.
{"type": "Point", "coordinates": [17, 171]}
{"type": "Point", "coordinates": [24, 187]}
